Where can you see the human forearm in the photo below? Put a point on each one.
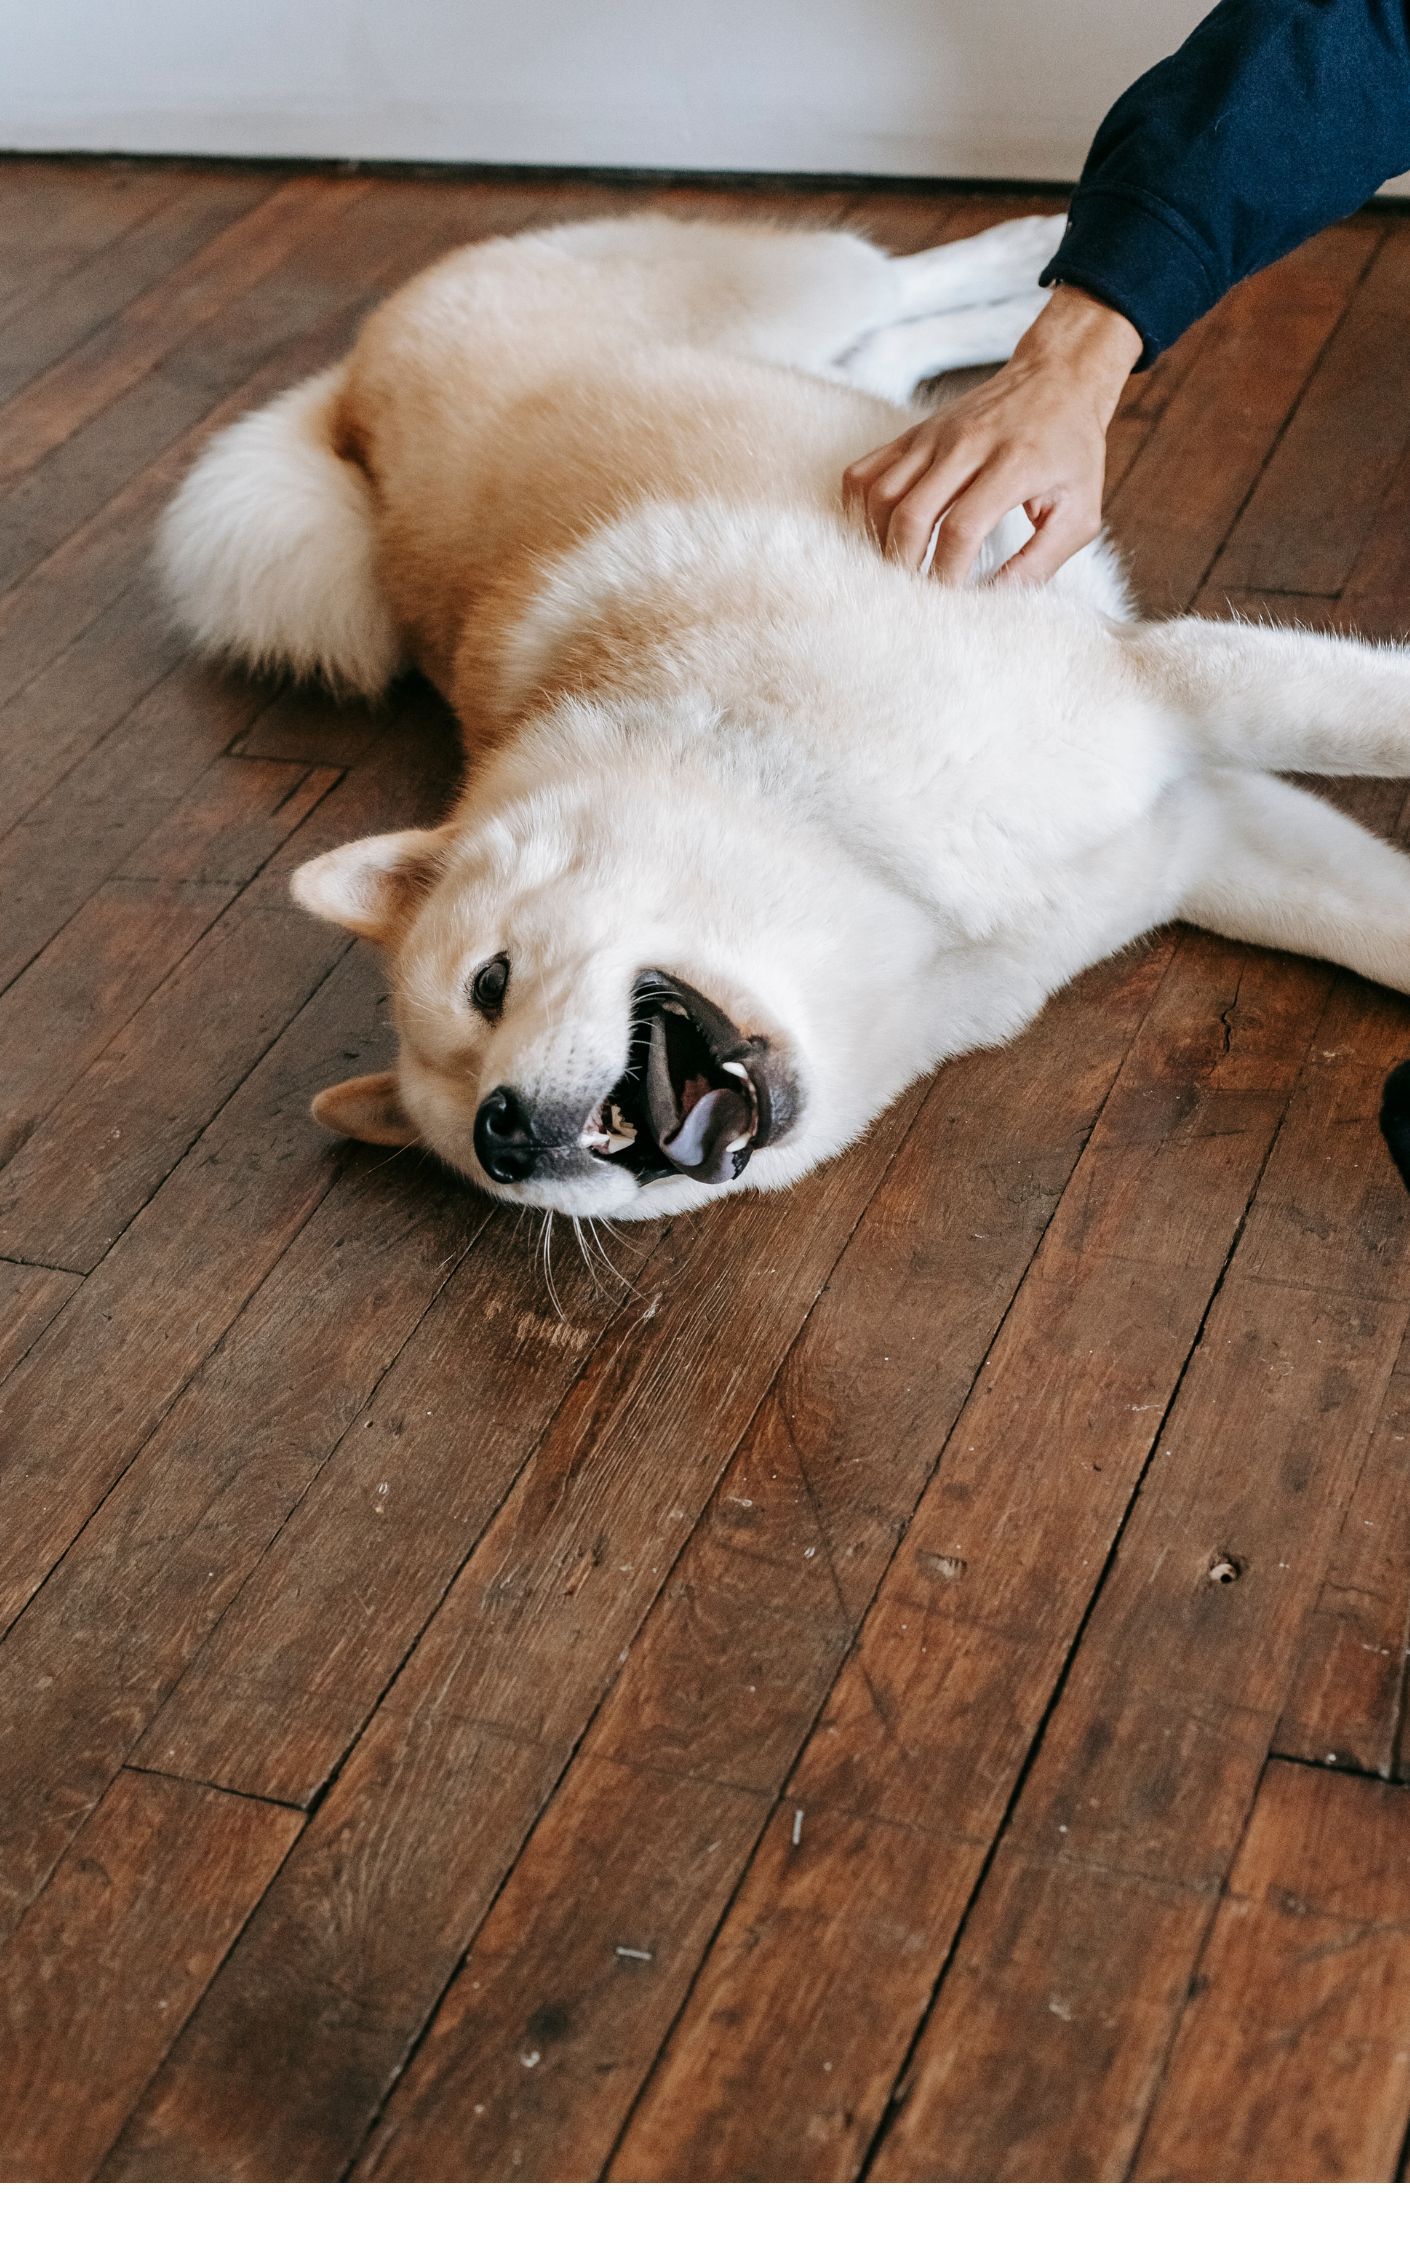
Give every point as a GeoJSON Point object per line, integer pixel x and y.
{"type": "Point", "coordinates": [1273, 119]}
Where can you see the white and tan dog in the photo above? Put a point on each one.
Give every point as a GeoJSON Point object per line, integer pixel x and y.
{"type": "Point", "coordinates": [756, 827]}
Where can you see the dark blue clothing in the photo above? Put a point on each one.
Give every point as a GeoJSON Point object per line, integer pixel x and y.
{"type": "Point", "coordinates": [1273, 119]}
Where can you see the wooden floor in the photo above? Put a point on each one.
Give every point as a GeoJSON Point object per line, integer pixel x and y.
{"type": "Point", "coordinates": [907, 1683]}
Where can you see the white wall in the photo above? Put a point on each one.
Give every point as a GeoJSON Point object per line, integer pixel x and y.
{"type": "Point", "coordinates": [1003, 88]}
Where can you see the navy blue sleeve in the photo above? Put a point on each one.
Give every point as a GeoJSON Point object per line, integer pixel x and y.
{"type": "Point", "coordinates": [1275, 118]}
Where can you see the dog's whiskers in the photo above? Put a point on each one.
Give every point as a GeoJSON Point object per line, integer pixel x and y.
{"type": "Point", "coordinates": [546, 1247]}
{"type": "Point", "coordinates": [614, 1270]}
{"type": "Point", "coordinates": [586, 1250]}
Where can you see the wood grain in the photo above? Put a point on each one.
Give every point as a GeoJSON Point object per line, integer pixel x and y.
{"type": "Point", "coordinates": [162, 221]}
{"type": "Point", "coordinates": [1135, 1805]}
{"type": "Point", "coordinates": [120, 352]}
{"type": "Point", "coordinates": [1179, 499]}
{"type": "Point", "coordinates": [99, 1977]}
{"type": "Point", "coordinates": [87, 1666]}
{"type": "Point", "coordinates": [1292, 2062]}
{"type": "Point", "coordinates": [932, 1713]}
{"type": "Point", "coordinates": [91, 1390]}
{"type": "Point", "coordinates": [29, 1298]}
{"type": "Point", "coordinates": [141, 1102]}
{"type": "Point", "coordinates": [520, 1651]}
{"type": "Point", "coordinates": [1306, 519]}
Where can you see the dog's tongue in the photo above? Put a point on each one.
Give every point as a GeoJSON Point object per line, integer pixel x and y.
{"type": "Point", "coordinates": [695, 1126]}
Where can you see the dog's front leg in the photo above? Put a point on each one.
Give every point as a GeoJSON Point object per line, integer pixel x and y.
{"type": "Point", "coordinates": [1280, 699]}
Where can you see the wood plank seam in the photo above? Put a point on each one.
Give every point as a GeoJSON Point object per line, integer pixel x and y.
{"type": "Point", "coordinates": [119, 883]}
{"type": "Point", "coordinates": [1334, 1763]}
{"type": "Point", "coordinates": [1070, 1860]}
{"type": "Point", "coordinates": [1211, 1892]}
{"type": "Point", "coordinates": [841, 1572]}
{"type": "Point", "coordinates": [186, 1801]}
{"type": "Point", "coordinates": [21, 463]}
{"type": "Point", "coordinates": [1231, 1892]}
{"type": "Point", "coordinates": [16, 299]}
{"type": "Point", "coordinates": [222, 1788]}
{"type": "Point", "coordinates": [1035, 1744]}
{"type": "Point", "coordinates": [48, 270]}
{"type": "Point", "coordinates": [507, 1733]}
{"type": "Point", "coordinates": [1308, 1034]}
{"type": "Point", "coordinates": [1312, 372]}
{"type": "Point", "coordinates": [159, 813]}
{"type": "Point", "coordinates": [38, 1265]}
{"type": "Point", "coordinates": [541, 1440]}
{"type": "Point", "coordinates": [195, 1370]}
{"type": "Point", "coordinates": [204, 1127]}
{"type": "Point", "coordinates": [203, 206]}
{"type": "Point", "coordinates": [249, 391]}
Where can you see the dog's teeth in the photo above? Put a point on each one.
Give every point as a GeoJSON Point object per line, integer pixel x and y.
{"type": "Point", "coordinates": [607, 1131]}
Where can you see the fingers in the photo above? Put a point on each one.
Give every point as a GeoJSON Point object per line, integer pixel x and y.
{"type": "Point", "coordinates": [871, 488]}
{"type": "Point", "coordinates": [925, 486]}
{"type": "Point", "coordinates": [890, 490]}
{"type": "Point", "coordinates": [968, 523]}
{"type": "Point", "coordinates": [1061, 533]}
{"type": "Point", "coordinates": [905, 505]}
{"type": "Point", "coordinates": [858, 480]}
{"type": "Point", "coordinates": [903, 490]}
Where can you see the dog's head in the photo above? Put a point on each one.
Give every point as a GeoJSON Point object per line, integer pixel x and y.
{"type": "Point", "coordinates": [579, 1029]}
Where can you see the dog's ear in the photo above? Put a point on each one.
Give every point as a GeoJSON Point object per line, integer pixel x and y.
{"type": "Point", "coordinates": [366, 1109]}
{"type": "Point", "coordinates": [368, 886]}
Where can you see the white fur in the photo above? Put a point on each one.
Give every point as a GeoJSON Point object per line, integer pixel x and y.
{"type": "Point", "coordinates": [269, 550]}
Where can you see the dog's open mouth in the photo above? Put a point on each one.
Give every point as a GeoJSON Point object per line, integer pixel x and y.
{"type": "Point", "coordinates": [689, 1100]}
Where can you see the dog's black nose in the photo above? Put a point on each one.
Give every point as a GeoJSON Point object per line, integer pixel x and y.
{"type": "Point", "coordinates": [504, 1139]}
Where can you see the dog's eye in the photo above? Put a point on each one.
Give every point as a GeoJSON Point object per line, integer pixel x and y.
{"type": "Point", "coordinates": [489, 985]}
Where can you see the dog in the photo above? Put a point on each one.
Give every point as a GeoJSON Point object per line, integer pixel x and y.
{"type": "Point", "coordinates": [757, 826]}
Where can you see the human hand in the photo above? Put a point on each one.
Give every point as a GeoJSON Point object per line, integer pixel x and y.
{"type": "Point", "coordinates": [1032, 436]}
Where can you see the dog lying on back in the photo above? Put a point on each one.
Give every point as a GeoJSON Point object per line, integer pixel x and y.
{"type": "Point", "coordinates": [756, 827]}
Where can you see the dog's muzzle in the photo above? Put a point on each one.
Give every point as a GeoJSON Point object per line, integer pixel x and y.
{"type": "Point", "coordinates": [697, 1095]}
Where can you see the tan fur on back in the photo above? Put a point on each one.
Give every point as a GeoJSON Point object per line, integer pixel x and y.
{"type": "Point", "coordinates": [564, 428]}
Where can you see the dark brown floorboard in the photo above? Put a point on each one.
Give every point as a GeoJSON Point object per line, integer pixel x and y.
{"type": "Point", "coordinates": [909, 1680]}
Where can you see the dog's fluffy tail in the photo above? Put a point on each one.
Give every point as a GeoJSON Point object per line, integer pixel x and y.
{"type": "Point", "coordinates": [268, 550]}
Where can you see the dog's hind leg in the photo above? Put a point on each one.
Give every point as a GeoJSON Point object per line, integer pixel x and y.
{"type": "Point", "coordinates": [982, 269]}
{"type": "Point", "coordinates": [892, 362]}
{"type": "Point", "coordinates": [1278, 867]}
